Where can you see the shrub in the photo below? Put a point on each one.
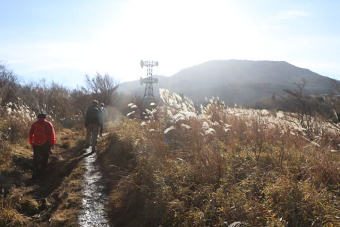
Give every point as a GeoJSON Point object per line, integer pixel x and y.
{"type": "Point", "coordinates": [9, 216]}
{"type": "Point", "coordinates": [5, 154]}
{"type": "Point", "coordinates": [299, 204]}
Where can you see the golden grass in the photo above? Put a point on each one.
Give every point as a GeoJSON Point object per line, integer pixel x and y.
{"type": "Point", "coordinates": [252, 174]}
{"type": "Point", "coordinates": [11, 218]}
{"type": "Point", "coordinates": [5, 156]}
{"type": "Point", "coordinates": [65, 217]}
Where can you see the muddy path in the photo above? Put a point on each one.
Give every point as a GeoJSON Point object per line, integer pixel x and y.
{"type": "Point", "coordinates": [59, 192]}
{"type": "Point", "coordinates": [94, 197]}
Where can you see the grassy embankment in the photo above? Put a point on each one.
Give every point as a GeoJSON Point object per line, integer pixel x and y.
{"type": "Point", "coordinates": [220, 166]}
{"type": "Point", "coordinates": [55, 200]}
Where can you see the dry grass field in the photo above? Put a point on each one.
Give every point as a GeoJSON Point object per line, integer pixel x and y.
{"type": "Point", "coordinates": [219, 165]}
{"type": "Point", "coordinates": [55, 200]}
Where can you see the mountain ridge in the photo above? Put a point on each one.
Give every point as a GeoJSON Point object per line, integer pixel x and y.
{"type": "Point", "coordinates": [239, 81]}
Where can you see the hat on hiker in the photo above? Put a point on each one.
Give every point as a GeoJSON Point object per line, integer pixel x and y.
{"type": "Point", "coordinates": [95, 102]}
{"type": "Point", "coordinates": [41, 115]}
{"type": "Point", "coordinates": [102, 104]}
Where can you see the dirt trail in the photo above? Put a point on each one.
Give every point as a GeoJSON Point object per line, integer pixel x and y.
{"type": "Point", "coordinates": [94, 199]}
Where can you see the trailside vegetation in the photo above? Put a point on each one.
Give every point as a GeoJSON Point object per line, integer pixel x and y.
{"type": "Point", "coordinates": [216, 165]}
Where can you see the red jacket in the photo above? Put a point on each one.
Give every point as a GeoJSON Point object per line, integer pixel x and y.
{"type": "Point", "coordinates": [42, 131]}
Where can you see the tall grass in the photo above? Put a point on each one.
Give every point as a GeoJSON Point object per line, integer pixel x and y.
{"type": "Point", "coordinates": [215, 165]}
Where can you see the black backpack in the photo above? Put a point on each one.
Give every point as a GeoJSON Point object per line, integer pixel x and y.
{"type": "Point", "coordinates": [93, 115]}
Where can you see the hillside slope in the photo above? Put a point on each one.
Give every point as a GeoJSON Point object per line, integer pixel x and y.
{"type": "Point", "coordinates": [239, 81]}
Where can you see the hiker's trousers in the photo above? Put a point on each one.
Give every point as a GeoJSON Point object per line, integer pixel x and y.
{"type": "Point", "coordinates": [40, 158]}
{"type": "Point", "coordinates": [92, 135]}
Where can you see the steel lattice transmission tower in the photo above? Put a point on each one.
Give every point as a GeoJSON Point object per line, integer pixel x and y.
{"type": "Point", "coordinates": [148, 80]}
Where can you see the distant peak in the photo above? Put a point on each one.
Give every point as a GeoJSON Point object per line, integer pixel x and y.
{"type": "Point", "coordinates": [244, 61]}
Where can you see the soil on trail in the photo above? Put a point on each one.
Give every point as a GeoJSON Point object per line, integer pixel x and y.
{"type": "Point", "coordinates": [94, 199]}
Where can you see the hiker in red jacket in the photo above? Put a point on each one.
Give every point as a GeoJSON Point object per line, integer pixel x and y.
{"type": "Point", "coordinates": [42, 139]}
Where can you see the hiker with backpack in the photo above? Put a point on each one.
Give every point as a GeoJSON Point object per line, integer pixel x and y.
{"type": "Point", "coordinates": [102, 118]}
{"type": "Point", "coordinates": [92, 124]}
{"type": "Point", "coordinates": [42, 140]}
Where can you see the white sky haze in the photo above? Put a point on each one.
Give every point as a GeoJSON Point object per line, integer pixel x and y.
{"type": "Point", "coordinates": [63, 41]}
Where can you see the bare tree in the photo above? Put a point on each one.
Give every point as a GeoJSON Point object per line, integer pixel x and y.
{"type": "Point", "coordinates": [102, 87]}
{"type": "Point", "coordinates": [8, 85]}
{"type": "Point", "coordinates": [302, 105]}
{"type": "Point", "coordinates": [80, 99]}
{"type": "Point", "coordinates": [308, 107]}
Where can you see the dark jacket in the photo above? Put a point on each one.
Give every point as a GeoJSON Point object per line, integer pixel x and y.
{"type": "Point", "coordinates": [92, 115]}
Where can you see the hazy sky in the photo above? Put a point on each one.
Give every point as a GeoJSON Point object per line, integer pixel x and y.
{"type": "Point", "coordinates": [65, 39]}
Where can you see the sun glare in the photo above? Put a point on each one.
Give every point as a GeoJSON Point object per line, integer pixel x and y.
{"type": "Point", "coordinates": [177, 33]}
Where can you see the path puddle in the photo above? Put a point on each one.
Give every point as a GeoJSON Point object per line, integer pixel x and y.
{"type": "Point", "coordinates": [94, 199]}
